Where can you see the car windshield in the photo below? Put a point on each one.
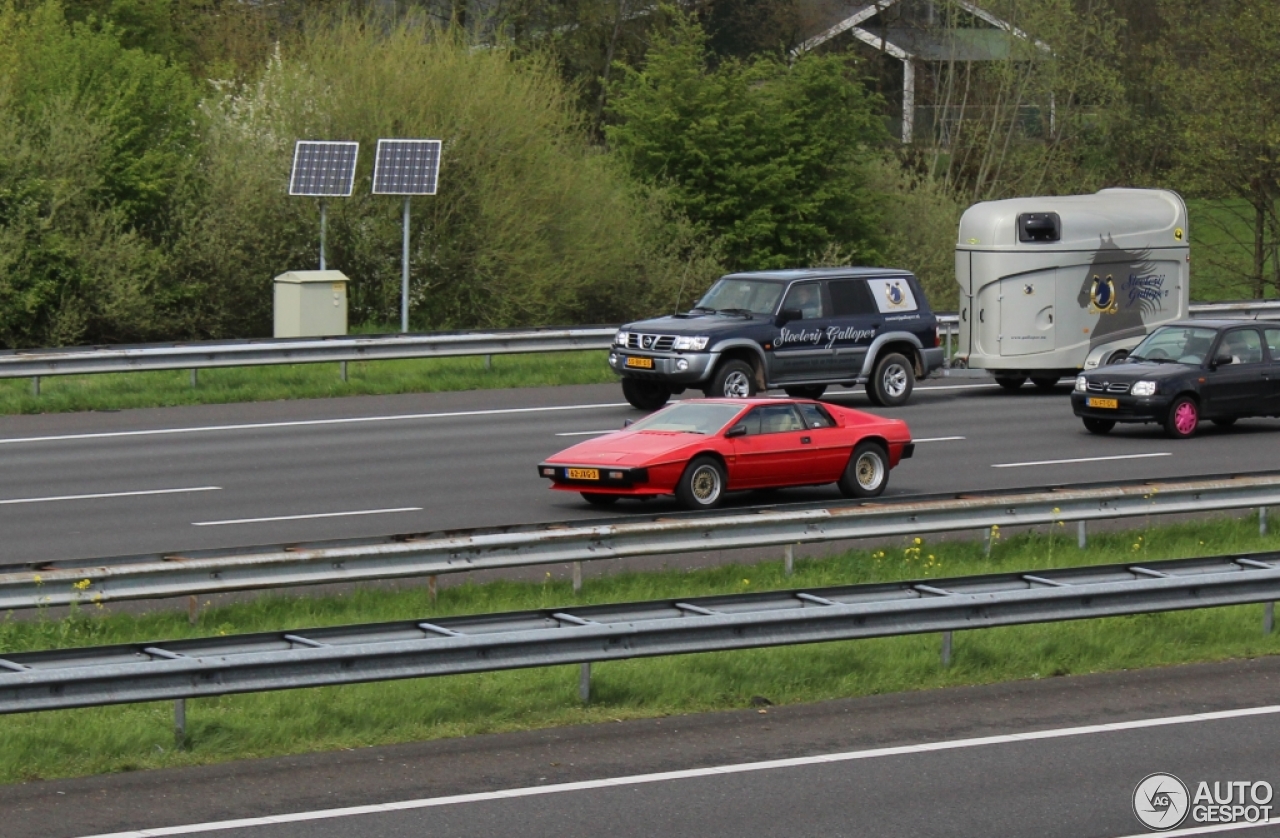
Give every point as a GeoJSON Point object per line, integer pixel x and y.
{"type": "Point", "coordinates": [689, 417]}
{"type": "Point", "coordinates": [1175, 345]}
{"type": "Point", "coordinates": [756, 296]}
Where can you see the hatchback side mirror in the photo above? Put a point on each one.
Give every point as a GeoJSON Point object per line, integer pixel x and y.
{"type": "Point", "coordinates": [736, 430]}
{"type": "Point", "coordinates": [1221, 361]}
{"type": "Point", "coordinates": [627, 423]}
{"type": "Point", "coordinates": [787, 315]}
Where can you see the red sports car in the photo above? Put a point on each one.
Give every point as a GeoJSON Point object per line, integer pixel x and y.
{"type": "Point", "coordinates": [699, 449]}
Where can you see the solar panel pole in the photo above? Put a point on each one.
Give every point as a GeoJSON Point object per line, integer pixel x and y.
{"type": "Point", "coordinates": [404, 273]}
{"type": "Point", "coordinates": [323, 225]}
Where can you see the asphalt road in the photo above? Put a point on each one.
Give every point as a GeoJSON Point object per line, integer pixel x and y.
{"type": "Point", "coordinates": [1050, 757]}
{"type": "Point", "coordinates": [103, 484]}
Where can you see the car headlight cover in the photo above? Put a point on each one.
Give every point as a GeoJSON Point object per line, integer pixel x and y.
{"type": "Point", "coordinates": [1082, 384]}
{"type": "Point", "coordinates": [620, 339]}
{"type": "Point", "coordinates": [1143, 388]}
{"type": "Point", "coordinates": [694, 343]}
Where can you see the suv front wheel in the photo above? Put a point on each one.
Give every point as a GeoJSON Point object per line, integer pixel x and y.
{"type": "Point", "coordinates": [892, 382]}
{"type": "Point", "coordinates": [646, 395]}
{"type": "Point", "coordinates": [733, 380]}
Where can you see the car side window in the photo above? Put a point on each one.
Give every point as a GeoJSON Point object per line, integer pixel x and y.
{"type": "Point", "coordinates": [807, 298]}
{"type": "Point", "coordinates": [772, 419]}
{"type": "Point", "coordinates": [851, 297]}
{"type": "Point", "coordinates": [815, 416]}
{"type": "Point", "coordinates": [1273, 342]}
{"type": "Point", "coordinates": [1243, 345]}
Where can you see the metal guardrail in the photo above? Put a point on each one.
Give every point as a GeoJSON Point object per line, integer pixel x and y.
{"type": "Point", "coordinates": [240, 353]}
{"type": "Point", "coordinates": [316, 657]}
{"type": "Point", "coordinates": [35, 363]}
{"type": "Point", "coordinates": [351, 560]}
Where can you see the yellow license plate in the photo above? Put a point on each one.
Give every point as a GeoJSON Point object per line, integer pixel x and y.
{"type": "Point", "coordinates": [642, 363]}
{"type": "Point", "coordinates": [1111, 403]}
{"type": "Point", "coordinates": [584, 473]}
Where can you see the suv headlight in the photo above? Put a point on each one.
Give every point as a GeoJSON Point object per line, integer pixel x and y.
{"type": "Point", "coordinates": [1082, 384]}
{"type": "Point", "coordinates": [695, 343]}
{"type": "Point", "coordinates": [620, 339]}
{"type": "Point", "coordinates": [1143, 388]}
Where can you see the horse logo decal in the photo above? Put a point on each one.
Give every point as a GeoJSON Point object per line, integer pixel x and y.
{"type": "Point", "coordinates": [893, 293]}
{"type": "Point", "coordinates": [1102, 296]}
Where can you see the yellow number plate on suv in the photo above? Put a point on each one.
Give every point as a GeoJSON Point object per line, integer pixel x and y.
{"type": "Point", "coordinates": [642, 363]}
{"type": "Point", "coordinates": [1111, 403]}
{"type": "Point", "coordinates": [584, 473]}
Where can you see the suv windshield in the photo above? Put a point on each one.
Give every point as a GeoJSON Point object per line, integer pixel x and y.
{"type": "Point", "coordinates": [758, 296]}
{"type": "Point", "coordinates": [689, 418]}
{"type": "Point", "coordinates": [1175, 344]}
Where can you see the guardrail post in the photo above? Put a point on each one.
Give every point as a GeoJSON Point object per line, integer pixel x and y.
{"type": "Point", "coordinates": [179, 722]}
{"type": "Point", "coordinates": [584, 683]}
{"type": "Point", "coordinates": [195, 378]}
{"type": "Point", "coordinates": [986, 542]}
{"type": "Point", "coordinates": [577, 577]}
{"type": "Point", "coordinates": [1262, 520]}
{"type": "Point", "coordinates": [947, 357]}
{"type": "Point", "coordinates": [946, 649]}
{"type": "Point", "coordinates": [35, 385]}
{"type": "Point", "coordinates": [193, 609]}
{"type": "Point", "coordinates": [431, 589]}
{"type": "Point", "coordinates": [488, 362]}
{"type": "Point", "coordinates": [343, 369]}
{"type": "Point", "coordinates": [1082, 535]}
{"type": "Point", "coordinates": [1268, 618]}
{"type": "Point", "coordinates": [789, 559]}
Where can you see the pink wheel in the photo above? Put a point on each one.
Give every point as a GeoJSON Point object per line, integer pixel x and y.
{"type": "Point", "coordinates": [1183, 419]}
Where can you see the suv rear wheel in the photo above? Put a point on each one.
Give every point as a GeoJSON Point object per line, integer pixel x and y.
{"type": "Point", "coordinates": [733, 380]}
{"type": "Point", "coordinates": [892, 381]}
{"type": "Point", "coordinates": [646, 395]}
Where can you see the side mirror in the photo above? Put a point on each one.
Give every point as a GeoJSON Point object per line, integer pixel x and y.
{"type": "Point", "coordinates": [736, 430]}
{"type": "Point", "coordinates": [787, 315]}
{"type": "Point", "coordinates": [627, 423]}
{"type": "Point", "coordinates": [1222, 360]}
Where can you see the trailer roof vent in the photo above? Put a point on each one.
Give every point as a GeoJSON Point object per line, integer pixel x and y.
{"type": "Point", "coordinates": [1039, 227]}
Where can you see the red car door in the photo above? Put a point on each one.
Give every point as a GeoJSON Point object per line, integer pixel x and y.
{"type": "Point", "coordinates": [831, 443]}
{"type": "Point", "coordinates": [777, 450]}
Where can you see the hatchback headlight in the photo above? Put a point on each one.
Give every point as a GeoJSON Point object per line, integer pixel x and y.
{"type": "Point", "coordinates": [620, 339]}
{"type": "Point", "coordinates": [695, 343]}
{"type": "Point", "coordinates": [1082, 384]}
{"type": "Point", "coordinates": [1143, 388]}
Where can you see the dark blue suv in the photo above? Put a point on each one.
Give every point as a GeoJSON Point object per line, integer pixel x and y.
{"type": "Point", "coordinates": [801, 330]}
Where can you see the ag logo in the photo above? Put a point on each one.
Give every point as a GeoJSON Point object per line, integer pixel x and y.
{"type": "Point", "coordinates": [1028, 289]}
{"type": "Point", "coordinates": [1161, 801]}
{"type": "Point", "coordinates": [893, 293]}
{"type": "Point", "coordinates": [1103, 295]}
{"type": "Point", "coordinates": [1177, 234]}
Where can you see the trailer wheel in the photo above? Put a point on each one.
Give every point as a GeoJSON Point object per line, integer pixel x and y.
{"type": "Point", "coordinates": [1045, 383]}
{"type": "Point", "coordinates": [1011, 382]}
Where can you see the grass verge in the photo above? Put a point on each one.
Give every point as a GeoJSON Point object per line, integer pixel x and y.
{"type": "Point", "coordinates": [98, 740]}
{"type": "Point", "coordinates": [116, 391]}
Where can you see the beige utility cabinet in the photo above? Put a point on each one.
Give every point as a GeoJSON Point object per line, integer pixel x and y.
{"type": "Point", "coordinates": [310, 304]}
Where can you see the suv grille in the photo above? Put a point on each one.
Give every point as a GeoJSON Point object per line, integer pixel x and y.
{"type": "Point", "coordinates": [660, 343]}
{"type": "Point", "coordinates": [1108, 387]}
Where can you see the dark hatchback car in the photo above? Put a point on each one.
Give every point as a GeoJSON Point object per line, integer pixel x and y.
{"type": "Point", "coordinates": [801, 330]}
{"type": "Point", "coordinates": [1185, 373]}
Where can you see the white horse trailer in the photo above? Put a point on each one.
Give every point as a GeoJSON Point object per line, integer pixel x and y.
{"type": "Point", "coordinates": [1050, 286]}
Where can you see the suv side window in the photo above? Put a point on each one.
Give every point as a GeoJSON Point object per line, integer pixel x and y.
{"type": "Point", "coordinates": [851, 297]}
{"type": "Point", "coordinates": [1273, 342]}
{"type": "Point", "coordinates": [807, 298]}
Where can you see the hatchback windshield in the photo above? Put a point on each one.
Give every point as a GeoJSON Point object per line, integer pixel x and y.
{"type": "Point", "coordinates": [1175, 344]}
{"type": "Point", "coordinates": [757, 296]}
{"type": "Point", "coordinates": [690, 418]}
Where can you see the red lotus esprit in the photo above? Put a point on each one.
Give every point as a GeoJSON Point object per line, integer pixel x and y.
{"type": "Point", "coordinates": [699, 449]}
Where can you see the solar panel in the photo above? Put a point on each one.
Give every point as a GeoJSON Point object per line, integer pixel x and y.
{"type": "Point", "coordinates": [323, 168]}
{"type": "Point", "coordinates": [406, 167]}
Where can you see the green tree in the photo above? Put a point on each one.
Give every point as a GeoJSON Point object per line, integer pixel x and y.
{"type": "Point", "coordinates": [767, 159]}
{"type": "Point", "coordinates": [1216, 69]}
